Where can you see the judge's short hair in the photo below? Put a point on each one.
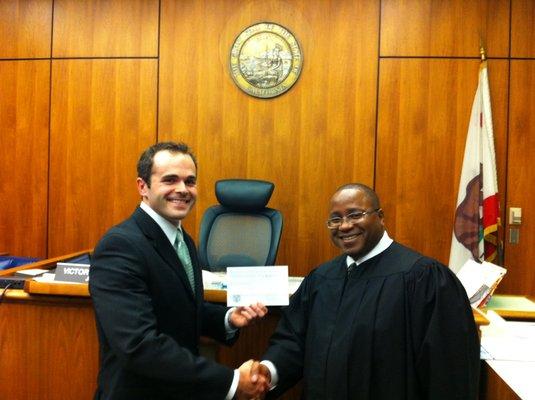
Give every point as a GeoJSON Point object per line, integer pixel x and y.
{"type": "Point", "coordinates": [146, 160]}
{"type": "Point", "coordinates": [368, 191]}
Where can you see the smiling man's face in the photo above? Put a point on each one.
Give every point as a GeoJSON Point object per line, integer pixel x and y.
{"type": "Point", "coordinates": [358, 238]}
{"type": "Point", "coordinates": [173, 185]}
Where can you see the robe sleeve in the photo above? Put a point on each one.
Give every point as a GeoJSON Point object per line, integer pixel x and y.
{"type": "Point", "coordinates": [445, 342]}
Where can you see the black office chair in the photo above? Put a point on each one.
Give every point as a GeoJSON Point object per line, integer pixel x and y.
{"type": "Point", "coordinates": [241, 231]}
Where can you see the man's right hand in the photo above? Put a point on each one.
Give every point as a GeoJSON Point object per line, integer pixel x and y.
{"type": "Point", "coordinates": [254, 381]}
{"type": "Point", "coordinates": [260, 371]}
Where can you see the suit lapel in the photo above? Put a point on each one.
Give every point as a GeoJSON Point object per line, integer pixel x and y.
{"type": "Point", "coordinates": [163, 247]}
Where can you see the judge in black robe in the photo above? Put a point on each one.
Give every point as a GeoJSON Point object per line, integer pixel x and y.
{"type": "Point", "coordinates": [396, 326]}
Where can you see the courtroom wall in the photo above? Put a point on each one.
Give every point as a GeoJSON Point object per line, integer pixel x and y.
{"type": "Point", "coordinates": [384, 98]}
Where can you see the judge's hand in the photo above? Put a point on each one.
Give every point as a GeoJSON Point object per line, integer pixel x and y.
{"type": "Point", "coordinates": [260, 372]}
{"type": "Point", "coordinates": [249, 388]}
{"type": "Point", "coordinates": [243, 316]}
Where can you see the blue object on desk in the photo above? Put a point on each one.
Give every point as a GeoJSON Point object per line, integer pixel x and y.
{"type": "Point", "coordinates": [7, 262]}
{"type": "Point", "coordinates": [82, 259]}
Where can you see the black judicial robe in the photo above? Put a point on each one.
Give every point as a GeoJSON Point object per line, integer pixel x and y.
{"type": "Point", "coordinates": [399, 327]}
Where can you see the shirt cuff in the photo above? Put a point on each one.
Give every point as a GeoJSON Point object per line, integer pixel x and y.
{"type": "Point", "coordinates": [234, 386]}
{"type": "Point", "coordinates": [272, 371]}
{"type": "Point", "coordinates": [231, 331]}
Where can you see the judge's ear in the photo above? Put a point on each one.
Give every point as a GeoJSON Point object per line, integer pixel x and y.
{"type": "Point", "coordinates": [381, 216]}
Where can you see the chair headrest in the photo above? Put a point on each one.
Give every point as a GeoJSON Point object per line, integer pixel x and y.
{"type": "Point", "coordinates": [243, 194]}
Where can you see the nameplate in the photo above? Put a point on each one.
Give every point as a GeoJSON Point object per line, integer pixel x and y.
{"type": "Point", "coordinates": [70, 272]}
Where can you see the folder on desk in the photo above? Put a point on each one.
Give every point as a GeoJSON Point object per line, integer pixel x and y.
{"type": "Point", "coordinates": [480, 280]}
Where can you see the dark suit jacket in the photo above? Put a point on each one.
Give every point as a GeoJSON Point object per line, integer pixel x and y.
{"type": "Point", "coordinates": [149, 321]}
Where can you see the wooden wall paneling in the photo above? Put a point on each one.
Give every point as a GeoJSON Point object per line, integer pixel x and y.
{"type": "Point", "coordinates": [25, 28]}
{"type": "Point", "coordinates": [24, 89]}
{"type": "Point", "coordinates": [523, 28]}
{"type": "Point", "coordinates": [56, 345]}
{"type": "Point", "coordinates": [338, 121]}
{"type": "Point", "coordinates": [105, 28]}
{"type": "Point", "coordinates": [520, 278]}
{"type": "Point", "coordinates": [308, 141]}
{"type": "Point", "coordinates": [179, 91]}
{"type": "Point", "coordinates": [271, 148]}
{"type": "Point", "coordinates": [424, 110]}
{"type": "Point", "coordinates": [444, 28]}
{"type": "Point", "coordinates": [103, 116]}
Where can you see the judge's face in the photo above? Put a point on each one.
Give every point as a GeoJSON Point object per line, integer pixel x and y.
{"type": "Point", "coordinates": [355, 238]}
{"type": "Point", "coordinates": [173, 185]}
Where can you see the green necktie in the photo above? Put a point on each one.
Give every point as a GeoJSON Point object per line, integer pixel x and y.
{"type": "Point", "coordinates": [183, 255]}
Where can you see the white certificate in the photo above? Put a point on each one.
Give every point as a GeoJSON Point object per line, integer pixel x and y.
{"type": "Point", "coordinates": [249, 285]}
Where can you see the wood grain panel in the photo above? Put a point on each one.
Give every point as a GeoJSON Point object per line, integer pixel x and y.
{"type": "Point", "coordinates": [492, 386]}
{"type": "Point", "coordinates": [106, 28]}
{"type": "Point", "coordinates": [523, 28]}
{"type": "Point", "coordinates": [24, 89]}
{"type": "Point", "coordinates": [25, 28]}
{"type": "Point", "coordinates": [103, 116]}
{"type": "Point", "coordinates": [308, 141]}
{"type": "Point", "coordinates": [424, 110]}
{"type": "Point", "coordinates": [444, 28]}
{"type": "Point", "coordinates": [49, 350]}
{"type": "Point", "coordinates": [520, 278]}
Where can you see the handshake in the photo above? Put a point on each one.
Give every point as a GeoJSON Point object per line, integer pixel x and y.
{"type": "Point", "coordinates": [255, 380]}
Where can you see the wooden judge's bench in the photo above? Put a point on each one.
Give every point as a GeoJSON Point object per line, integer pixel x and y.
{"type": "Point", "coordinates": [49, 345]}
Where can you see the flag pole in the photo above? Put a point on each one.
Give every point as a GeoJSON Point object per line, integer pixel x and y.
{"type": "Point", "coordinates": [499, 243]}
{"type": "Point", "coordinates": [482, 50]}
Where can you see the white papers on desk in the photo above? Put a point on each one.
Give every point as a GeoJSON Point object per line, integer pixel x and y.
{"type": "Point", "coordinates": [249, 285]}
{"type": "Point", "coordinates": [214, 280]}
{"type": "Point", "coordinates": [517, 375]}
{"type": "Point", "coordinates": [293, 283]}
{"type": "Point", "coordinates": [218, 281]}
{"type": "Point", "coordinates": [508, 340]}
{"type": "Point", "coordinates": [47, 277]}
{"type": "Point", "coordinates": [31, 273]}
{"type": "Point", "coordinates": [50, 278]}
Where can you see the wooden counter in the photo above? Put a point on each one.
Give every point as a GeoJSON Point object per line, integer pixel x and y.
{"type": "Point", "coordinates": [216, 296]}
{"type": "Point", "coordinates": [49, 344]}
{"type": "Point", "coordinates": [48, 347]}
{"type": "Point", "coordinates": [513, 307]}
{"type": "Point", "coordinates": [82, 290]}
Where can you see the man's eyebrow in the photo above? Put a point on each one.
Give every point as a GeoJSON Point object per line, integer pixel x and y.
{"type": "Point", "coordinates": [176, 176]}
{"type": "Point", "coordinates": [170, 176]}
{"type": "Point", "coordinates": [346, 212]}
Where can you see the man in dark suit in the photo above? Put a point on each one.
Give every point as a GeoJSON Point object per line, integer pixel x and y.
{"type": "Point", "coordinates": [146, 286]}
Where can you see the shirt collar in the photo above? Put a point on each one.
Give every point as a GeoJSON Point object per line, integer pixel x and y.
{"type": "Point", "coordinates": [383, 244]}
{"type": "Point", "coordinates": [169, 229]}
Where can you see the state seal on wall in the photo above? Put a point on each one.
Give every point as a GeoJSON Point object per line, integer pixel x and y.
{"type": "Point", "coordinates": [265, 60]}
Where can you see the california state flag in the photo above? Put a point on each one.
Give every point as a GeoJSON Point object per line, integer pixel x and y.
{"type": "Point", "coordinates": [475, 231]}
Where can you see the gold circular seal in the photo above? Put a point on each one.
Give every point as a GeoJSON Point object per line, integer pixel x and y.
{"type": "Point", "coordinates": [265, 60]}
